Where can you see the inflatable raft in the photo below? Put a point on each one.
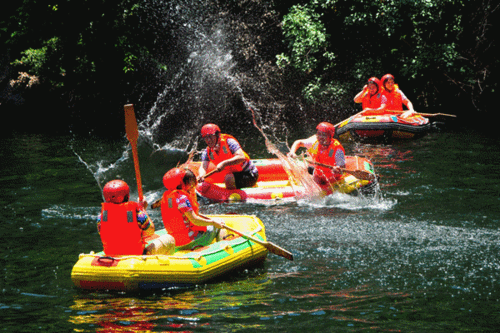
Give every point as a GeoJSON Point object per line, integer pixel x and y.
{"type": "Point", "coordinates": [274, 183]}
{"type": "Point", "coordinates": [383, 126]}
{"type": "Point", "coordinates": [186, 268]}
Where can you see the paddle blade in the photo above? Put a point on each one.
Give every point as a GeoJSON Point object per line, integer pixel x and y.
{"type": "Point", "coordinates": [131, 123]}
{"type": "Point", "coordinates": [275, 249]}
{"type": "Point", "coordinates": [360, 174]}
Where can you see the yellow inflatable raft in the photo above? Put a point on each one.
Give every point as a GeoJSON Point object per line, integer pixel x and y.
{"type": "Point", "coordinates": [182, 269]}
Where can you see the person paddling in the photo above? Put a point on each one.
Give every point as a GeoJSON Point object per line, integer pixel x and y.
{"type": "Point", "coordinates": [323, 149]}
{"type": "Point", "coordinates": [395, 97]}
{"type": "Point", "coordinates": [180, 212]}
{"type": "Point", "coordinates": [225, 152]}
{"type": "Point", "coordinates": [123, 225]}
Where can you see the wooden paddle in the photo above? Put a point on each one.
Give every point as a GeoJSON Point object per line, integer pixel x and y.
{"type": "Point", "coordinates": [273, 248]}
{"type": "Point", "coordinates": [360, 174]}
{"type": "Point", "coordinates": [208, 174]}
{"type": "Point", "coordinates": [427, 114]}
{"type": "Point", "coordinates": [132, 135]}
{"type": "Point", "coordinates": [354, 115]}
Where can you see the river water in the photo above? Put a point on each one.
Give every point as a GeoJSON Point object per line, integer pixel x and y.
{"type": "Point", "coordinates": [422, 256]}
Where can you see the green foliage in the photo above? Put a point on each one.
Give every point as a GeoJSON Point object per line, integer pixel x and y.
{"type": "Point", "coordinates": [306, 39]}
{"type": "Point", "coordinates": [318, 92]}
{"type": "Point", "coordinates": [416, 40]}
{"type": "Point", "coordinates": [36, 60]}
{"type": "Point", "coordinates": [437, 49]}
{"type": "Point", "coordinates": [75, 43]}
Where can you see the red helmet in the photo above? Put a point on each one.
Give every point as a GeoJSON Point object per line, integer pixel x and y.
{"type": "Point", "coordinates": [116, 191]}
{"type": "Point", "coordinates": [209, 129]}
{"type": "Point", "coordinates": [173, 178]}
{"type": "Point", "coordinates": [386, 77]}
{"type": "Point", "coordinates": [376, 81]}
{"type": "Point", "coordinates": [327, 128]}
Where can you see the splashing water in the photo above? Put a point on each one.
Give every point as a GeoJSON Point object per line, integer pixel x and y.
{"type": "Point", "coordinates": [199, 87]}
{"type": "Point", "coordinates": [301, 181]}
{"type": "Point", "coordinates": [101, 170]}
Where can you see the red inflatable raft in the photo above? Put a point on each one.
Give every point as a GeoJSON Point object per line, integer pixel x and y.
{"type": "Point", "coordinates": [383, 125]}
{"type": "Point", "coordinates": [274, 183]}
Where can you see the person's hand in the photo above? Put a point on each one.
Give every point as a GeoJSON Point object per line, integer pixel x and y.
{"type": "Point", "coordinates": [219, 167]}
{"type": "Point", "coordinates": [218, 222]}
{"type": "Point", "coordinates": [406, 114]}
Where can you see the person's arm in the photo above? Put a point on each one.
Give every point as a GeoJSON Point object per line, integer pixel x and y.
{"type": "Point", "coordinates": [203, 221]}
{"type": "Point", "coordinates": [306, 143]}
{"type": "Point", "coordinates": [202, 171]}
{"type": "Point", "coordinates": [408, 112]}
{"type": "Point", "coordinates": [99, 224]}
{"type": "Point", "coordinates": [340, 159]}
{"type": "Point", "coordinates": [409, 105]}
{"type": "Point", "coordinates": [145, 224]}
{"type": "Point", "coordinates": [359, 97]}
{"type": "Point", "coordinates": [383, 104]}
{"type": "Point", "coordinates": [239, 157]}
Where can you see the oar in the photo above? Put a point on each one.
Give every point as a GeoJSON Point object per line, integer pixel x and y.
{"type": "Point", "coordinates": [208, 174]}
{"type": "Point", "coordinates": [427, 114]}
{"type": "Point", "coordinates": [132, 135]}
{"type": "Point", "coordinates": [273, 248]}
{"type": "Point", "coordinates": [360, 174]}
{"type": "Point", "coordinates": [354, 115]}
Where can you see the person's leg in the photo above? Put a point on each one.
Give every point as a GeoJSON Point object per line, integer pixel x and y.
{"type": "Point", "coordinates": [245, 179]}
{"type": "Point", "coordinates": [230, 181]}
{"type": "Point", "coordinates": [162, 245]}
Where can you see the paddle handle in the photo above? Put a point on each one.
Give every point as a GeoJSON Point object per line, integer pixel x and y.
{"type": "Point", "coordinates": [361, 174]}
{"type": "Point", "coordinates": [132, 136]}
{"type": "Point", "coordinates": [426, 114]}
{"type": "Point", "coordinates": [208, 174]}
{"type": "Point", "coordinates": [241, 233]}
{"type": "Point", "coordinates": [273, 248]}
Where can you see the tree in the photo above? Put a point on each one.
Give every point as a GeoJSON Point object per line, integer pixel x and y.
{"type": "Point", "coordinates": [438, 49]}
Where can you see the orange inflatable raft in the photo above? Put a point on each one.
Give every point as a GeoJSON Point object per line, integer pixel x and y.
{"type": "Point", "coordinates": [384, 125]}
{"type": "Point", "coordinates": [274, 183]}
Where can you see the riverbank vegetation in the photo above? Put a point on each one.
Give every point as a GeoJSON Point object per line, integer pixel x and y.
{"type": "Point", "coordinates": [78, 62]}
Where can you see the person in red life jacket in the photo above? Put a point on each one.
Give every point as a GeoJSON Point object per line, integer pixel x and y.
{"type": "Point", "coordinates": [224, 151]}
{"type": "Point", "coordinates": [324, 149]}
{"type": "Point", "coordinates": [123, 225]}
{"type": "Point", "coordinates": [371, 97]}
{"type": "Point", "coordinates": [395, 97]}
{"type": "Point", "coordinates": [180, 213]}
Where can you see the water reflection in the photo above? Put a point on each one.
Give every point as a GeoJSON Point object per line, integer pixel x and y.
{"type": "Point", "coordinates": [169, 310]}
{"type": "Point", "coordinates": [241, 305]}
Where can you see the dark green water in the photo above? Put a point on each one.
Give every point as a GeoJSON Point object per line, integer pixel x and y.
{"type": "Point", "coordinates": [423, 257]}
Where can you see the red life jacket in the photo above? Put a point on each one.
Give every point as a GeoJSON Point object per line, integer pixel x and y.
{"type": "Point", "coordinates": [181, 229]}
{"type": "Point", "coordinates": [372, 102]}
{"type": "Point", "coordinates": [120, 231]}
{"type": "Point", "coordinates": [225, 154]}
{"type": "Point", "coordinates": [326, 156]}
{"type": "Point", "coordinates": [394, 99]}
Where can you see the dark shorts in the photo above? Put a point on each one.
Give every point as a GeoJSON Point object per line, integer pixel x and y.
{"type": "Point", "coordinates": [245, 179]}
